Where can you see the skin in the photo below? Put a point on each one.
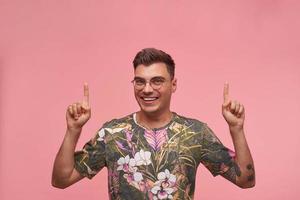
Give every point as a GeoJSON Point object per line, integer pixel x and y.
{"type": "Point", "coordinates": [153, 115]}
{"type": "Point", "coordinates": [242, 173]}
{"type": "Point", "coordinates": [156, 114]}
{"type": "Point", "coordinates": [78, 113]}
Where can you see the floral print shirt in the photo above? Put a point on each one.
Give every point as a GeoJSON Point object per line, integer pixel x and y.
{"type": "Point", "coordinates": [153, 164]}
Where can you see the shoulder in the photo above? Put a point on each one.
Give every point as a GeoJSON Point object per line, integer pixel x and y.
{"type": "Point", "coordinates": [190, 122]}
{"type": "Point", "coordinates": [121, 122]}
{"type": "Point", "coordinates": [199, 128]}
{"type": "Point", "coordinates": [114, 126]}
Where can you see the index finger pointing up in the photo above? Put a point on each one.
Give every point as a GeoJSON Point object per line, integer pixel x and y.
{"type": "Point", "coordinates": [86, 94]}
{"type": "Point", "coordinates": [226, 92]}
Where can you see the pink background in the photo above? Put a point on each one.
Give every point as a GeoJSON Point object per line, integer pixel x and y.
{"type": "Point", "coordinates": [49, 48]}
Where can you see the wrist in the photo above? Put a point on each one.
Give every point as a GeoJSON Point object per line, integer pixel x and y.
{"type": "Point", "coordinates": [74, 130]}
{"type": "Point", "coordinates": [236, 128]}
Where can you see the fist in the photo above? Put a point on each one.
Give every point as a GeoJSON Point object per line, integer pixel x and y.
{"type": "Point", "coordinates": [80, 112]}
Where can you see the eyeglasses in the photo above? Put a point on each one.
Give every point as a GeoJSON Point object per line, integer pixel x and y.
{"type": "Point", "coordinates": [155, 82]}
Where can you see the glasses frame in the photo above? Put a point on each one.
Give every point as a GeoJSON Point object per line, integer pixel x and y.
{"type": "Point", "coordinates": [150, 83]}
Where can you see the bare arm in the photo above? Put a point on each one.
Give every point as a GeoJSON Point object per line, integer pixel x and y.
{"type": "Point", "coordinates": [64, 174]}
{"type": "Point", "coordinates": [242, 173]}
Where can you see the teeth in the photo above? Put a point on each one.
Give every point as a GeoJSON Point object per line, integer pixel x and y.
{"type": "Point", "coordinates": [149, 99]}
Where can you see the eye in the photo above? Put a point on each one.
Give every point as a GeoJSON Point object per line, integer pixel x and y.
{"type": "Point", "coordinates": [139, 82]}
{"type": "Point", "coordinates": [157, 81]}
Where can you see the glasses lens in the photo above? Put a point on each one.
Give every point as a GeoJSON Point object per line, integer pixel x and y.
{"type": "Point", "coordinates": [139, 84]}
{"type": "Point", "coordinates": [155, 83]}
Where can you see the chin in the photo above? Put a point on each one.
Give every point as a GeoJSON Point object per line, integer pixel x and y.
{"type": "Point", "coordinates": [149, 110]}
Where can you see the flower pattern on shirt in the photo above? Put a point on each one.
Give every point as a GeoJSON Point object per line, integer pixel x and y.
{"type": "Point", "coordinates": [153, 164]}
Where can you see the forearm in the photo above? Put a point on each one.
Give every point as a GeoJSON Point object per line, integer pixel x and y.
{"type": "Point", "coordinates": [246, 175]}
{"type": "Point", "coordinates": [64, 161]}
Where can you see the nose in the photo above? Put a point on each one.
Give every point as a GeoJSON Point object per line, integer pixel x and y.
{"type": "Point", "coordinates": [148, 88]}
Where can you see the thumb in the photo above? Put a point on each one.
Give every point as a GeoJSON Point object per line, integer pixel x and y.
{"type": "Point", "coordinates": [85, 107]}
{"type": "Point", "coordinates": [226, 104]}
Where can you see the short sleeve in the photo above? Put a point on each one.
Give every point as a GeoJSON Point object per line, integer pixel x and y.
{"type": "Point", "coordinates": [92, 158]}
{"type": "Point", "coordinates": [214, 155]}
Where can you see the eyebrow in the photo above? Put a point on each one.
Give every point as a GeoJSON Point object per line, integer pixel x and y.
{"type": "Point", "coordinates": [138, 77]}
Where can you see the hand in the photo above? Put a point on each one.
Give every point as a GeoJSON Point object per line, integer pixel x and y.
{"type": "Point", "coordinates": [80, 112]}
{"type": "Point", "coordinates": [233, 111]}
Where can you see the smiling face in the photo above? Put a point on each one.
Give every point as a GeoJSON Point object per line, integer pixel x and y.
{"type": "Point", "coordinates": [154, 101]}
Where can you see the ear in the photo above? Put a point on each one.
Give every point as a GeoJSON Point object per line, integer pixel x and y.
{"type": "Point", "coordinates": [174, 85]}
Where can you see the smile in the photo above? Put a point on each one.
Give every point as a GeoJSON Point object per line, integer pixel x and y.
{"type": "Point", "coordinates": [149, 99]}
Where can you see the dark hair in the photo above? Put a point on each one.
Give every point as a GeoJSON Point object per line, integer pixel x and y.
{"type": "Point", "coordinates": [149, 56]}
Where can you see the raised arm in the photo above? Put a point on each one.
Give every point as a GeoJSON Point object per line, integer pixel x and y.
{"type": "Point", "coordinates": [242, 173]}
{"type": "Point", "coordinates": [64, 173]}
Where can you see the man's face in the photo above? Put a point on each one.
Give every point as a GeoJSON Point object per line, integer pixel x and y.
{"type": "Point", "coordinates": [150, 100]}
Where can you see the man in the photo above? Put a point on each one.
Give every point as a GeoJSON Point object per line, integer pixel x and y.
{"type": "Point", "coordinates": [153, 153]}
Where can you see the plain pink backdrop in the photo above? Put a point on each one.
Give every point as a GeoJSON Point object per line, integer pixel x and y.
{"type": "Point", "coordinates": [49, 48]}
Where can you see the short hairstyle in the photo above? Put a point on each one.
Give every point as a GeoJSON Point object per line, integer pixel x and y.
{"type": "Point", "coordinates": [149, 56]}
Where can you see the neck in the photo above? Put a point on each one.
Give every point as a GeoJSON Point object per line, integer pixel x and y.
{"type": "Point", "coordinates": [153, 120]}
